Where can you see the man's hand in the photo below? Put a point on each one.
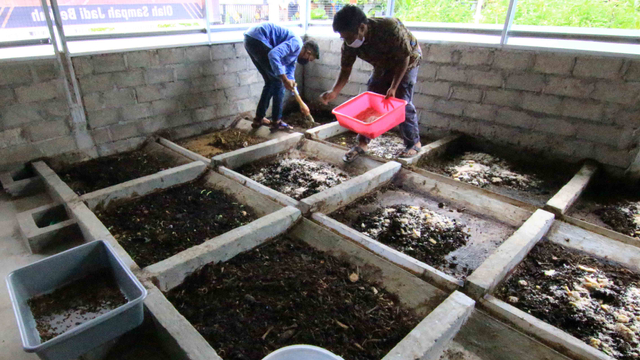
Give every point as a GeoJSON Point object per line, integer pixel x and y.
{"type": "Point", "coordinates": [327, 96]}
{"type": "Point", "coordinates": [289, 84]}
{"type": "Point", "coordinates": [391, 93]}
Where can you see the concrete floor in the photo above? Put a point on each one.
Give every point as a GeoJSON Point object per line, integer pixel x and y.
{"type": "Point", "coordinates": [14, 255]}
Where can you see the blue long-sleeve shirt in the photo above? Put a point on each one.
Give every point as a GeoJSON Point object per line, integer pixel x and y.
{"type": "Point", "coordinates": [284, 44]}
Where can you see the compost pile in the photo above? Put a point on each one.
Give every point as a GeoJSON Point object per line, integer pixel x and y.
{"type": "Point", "coordinates": [209, 145]}
{"type": "Point", "coordinates": [288, 293]}
{"type": "Point", "coordinates": [111, 170]}
{"type": "Point", "coordinates": [595, 301]}
{"type": "Point", "coordinates": [415, 231]}
{"type": "Point", "coordinates": [75, 303]}
{"type": "Point", "coordinates": [623, 217]}
{"type": "Point", "coordinates": [386, 146]}
{"type": "Point", "coordinates": [482, 169]}
{"type": "Point", "coordinates": [368, 115]}
{"type": "Point", "coordinates": [298, 178]}
{"type": "Point", "coordinates": [160, 225]}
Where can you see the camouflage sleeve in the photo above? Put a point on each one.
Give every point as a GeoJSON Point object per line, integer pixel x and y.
{"type": "Point", "coordinates": [349, 56]}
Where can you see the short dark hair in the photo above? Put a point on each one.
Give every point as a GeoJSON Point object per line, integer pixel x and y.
{"type": "Point", "coordinates": [349, 19]}
{"type": "Point", "coordinates": [313, 46]}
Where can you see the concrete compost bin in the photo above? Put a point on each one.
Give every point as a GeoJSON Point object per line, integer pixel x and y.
{"type": "Point", "coordinates": [45, 276]}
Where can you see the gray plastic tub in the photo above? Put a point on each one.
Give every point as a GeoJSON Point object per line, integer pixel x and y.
{"type": "Point", "coordinates": [56, 271]}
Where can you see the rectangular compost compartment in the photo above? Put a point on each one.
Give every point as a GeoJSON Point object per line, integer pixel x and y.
{"type": "Point", "coordinates": [311, 286]}
{"type": "Point", "coordinates": [63, 269]}
{"type": "Point", "coordinates": [22, 181]}
{"type": "Point", "coordinates": [502, 170]}
{"type": "Point", "coordinates": [576, 291]}
{"type": "Point", "coordinates": [437, 231]}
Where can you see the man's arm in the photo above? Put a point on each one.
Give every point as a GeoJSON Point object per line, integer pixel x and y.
{"type": "Point", "coordinates": [398, 74]}
{"type": "Point", "coordinates": [275, 59]}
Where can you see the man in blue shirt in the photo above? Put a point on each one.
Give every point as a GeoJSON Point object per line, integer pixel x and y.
{"type": "Point", "coordinates": [274, 50]}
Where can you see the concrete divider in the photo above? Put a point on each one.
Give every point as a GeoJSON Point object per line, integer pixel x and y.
{"type": "Point", "coordinates": [425, 271]}
{"type": "Point", "coordinates": [180, 339]}
{"type": "Point", "coordinates": [602, 231]}
{"type": "Point", "coordinates": [548, 334]}
{"type": "Point", "coordinates": [172, 271]}
{"type": "Point", "coordinates": [27, 183]}
{"type": "Point", "coordinates": [39, 237]}
{"type": "Point", "coordinates": [433, 149]}
{"type": "Point", "coordinates": [145, 185]}
{"type": "Point", "coordinates": [325, 131]}
{"type": "Point", "coordinates": [182, 151]}
{"type": "Point", "coordinates": [59, 191]}
{"type": "Point", "coordinates": [561, 202]}
{"type": "Point", "coordinates": [237, 158]}
{"type": "Point", "coordinates": [344, 193]}
{"type": "Point", "coordinates": [496, 267]}
{"type": "Point", "coordinates": [430, 338]}
{"type": "Point", "coordinates": [254, 185]}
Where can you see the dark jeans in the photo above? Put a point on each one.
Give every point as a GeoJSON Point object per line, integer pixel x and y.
{"type": "Point", "coordinates": [273, 87]}
{"type": "Point", "coordinates": [379, 82]}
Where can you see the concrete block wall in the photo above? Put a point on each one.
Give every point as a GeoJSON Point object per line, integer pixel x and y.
{"type": "Point", "coordinates": [34, 112]}
{"type": "Point", "coordinates": [568, 106]}
{"type": "Point", "coordinates": [129, 96]}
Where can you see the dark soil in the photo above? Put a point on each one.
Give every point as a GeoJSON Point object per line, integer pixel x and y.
{"type": "Point", "coordinates": [593, 300]}
{"type": "Point", "coordinates": [294, 117]}
{"type": "Point", "coordinates": [111, 170]}
{"type": "Point", "coordinates": [141, 343]}
{"type": "Point", "coordinates": [295, 177]}
{"type": "Point", "coordinates": [160, 225]}
{"type": "Point", "coordinates": [76, 303]}
{"type": "Point", "coordinates": [415, 231]}
{"type": "Point", "coordinates": [219, 142]}
{"type": "Point", "coordinates": [288, 293]}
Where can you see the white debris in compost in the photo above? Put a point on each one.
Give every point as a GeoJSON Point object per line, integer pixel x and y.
{"type": "Point", "coordinates": [413, 219]}
{"type": "Point", "coordinates": [297, 177]}
{"type": "Point", "coordinates": [387, 146]}
{"type": "Point", "coordinates": [482, 169]}
{"type": "Point", "coordinates": [631, 211]}
{"type": "Point", "coordinates": [622, 320]}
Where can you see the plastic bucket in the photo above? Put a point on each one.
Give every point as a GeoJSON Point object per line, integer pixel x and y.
{"type": "Point", "coordinates": [392, 110]}
{"type": "Point", "coordinates": [302, 352]}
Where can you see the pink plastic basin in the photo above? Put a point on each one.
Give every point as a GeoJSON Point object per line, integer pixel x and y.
{"type": "Point", "coordinates": [392, 111]}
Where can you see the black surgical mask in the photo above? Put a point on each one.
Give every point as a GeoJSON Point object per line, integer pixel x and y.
{"type": "Point", "coordinates": [303, 61]}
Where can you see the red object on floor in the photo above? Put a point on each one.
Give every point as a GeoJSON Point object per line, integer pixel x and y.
{"type": "Point", "coordinates": [392, 111]}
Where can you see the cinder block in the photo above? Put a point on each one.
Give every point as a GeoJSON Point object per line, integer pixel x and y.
{"type": "Point", "coordinates": [602, 134]}
{"type": "Point", "coordinates": [423, 101]}
{"type": "Point", "coordinates": [554, 63]}
{"type": "Point", "coordinates": [137, 111]}
{"type": "Point", "coordinates": [16, 115]}
{"type": "Point", "coordinates": [555, 126]}
{"type": "Point", "coordinates": [589, 110]}
{"type": "Point", "coordinates": [7, 96]}
{"type": "Point", "coordinates": [246, 105]}
{"type": "Point", "coordinates": [481, 111]}
{"type": "Point", "coordinates": [140, 59]}
{"type": "Point", "coordinates": [569, 87]}
{"type": "Point", "coordinates": [249, 77]}
{"type": "Point", "coordinates": [477, 77]}
{"type": "Point", "coordinates": [466, 126]}
{"type": "Point", "coordinates": [129, 78]}
{"type": "Point", "coordinates": [216, 97]}
{"type": "Point", "coordinates": [503, 97]}
{"type": "Point", "coordinates": [336, 46]}
{"type": "Point", "coordinates": [45, 70]}
{"type": "Point", "coordinates": [101, 136]}
{"type": "Point", "coordinates": [158, 75]}
{"type": "Point", "coordinates": [149, 93]}
{"type": "Point", "coordinates": [38, 236]}
{"type": "Point", "coordinates": [56, 108]}
{"type": "Point", "coordinates": [222, 51]}
{"type": "Point", "coordinates": [108, 63]}
{"type": "Point", "coordinates": [200, 53]}
{"type": "Point", "coordinates": [227, 109]}
{"type": "Point", "coordinates": [118, 98]}
{"type": "Point", "coordinates": [235, 65]}
{"type": "Point", "coordinates": [612, 156]}
{"type": "Point", "coordinates": [515, 118]}
{"type": "Point", "coordinates": [633, 71]}
{"type": "Point", "coordinates": [49, 130]}
{"type": "Point", "coordinates": [166, 106]}
{"type": "Point", "coordinates": [152, 124]}
{"type": "Point", "coordinates": [225, 81]}
{"type": "Point", "coordinates": [100, 118]}
{"type": "Point", "coordinates": [435, 88]}
{"type": "Point", "coordinates": [528, 82]}
{"type": "Point", "coordinates": [476, 56]}
{"type": "Point", "coordinates": [38, 92]}
{"type": "Point", "coordinates": [468, 94]}
{"type": "Point", "coordinates": [451, 73]}
{"type": "Point", "coordinates": [237, 93]}
{"type": "Point", "coordinates": [171, 56]}
{"type": "Point", "coordinates": [12, 137]}
{"type": "Point", "coordinates": [511, 60]}
{"type": "Point", "coordinates": [15, 74]}
{"type": "Point", "coordinates": [452, 107]}
{"type": "Point", "coordinates": [57, 146]}
{"type": "Point", "coordinates": [603, 68]}
{"type": "Point", "coordinates": [547, 104]}
{"type": "Point", "coordinates": [123, 131]}
{"type": "Point", "coordinates": [187, 71]}
{"type": "Point", "coordinates": [427, 71]}
{"type": "Point", "coordinates": [440, 53]}
{"type": "Point", "coordinates": [96, 83]}
{"type": "Point", "coordinates": [205, 114]}
{"type": "Point", "coordinates": [617, 92]}
{"type": "Point", "coordinates": [240, 50]}
{"type": "Point", "coordinates": [174, 89]}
